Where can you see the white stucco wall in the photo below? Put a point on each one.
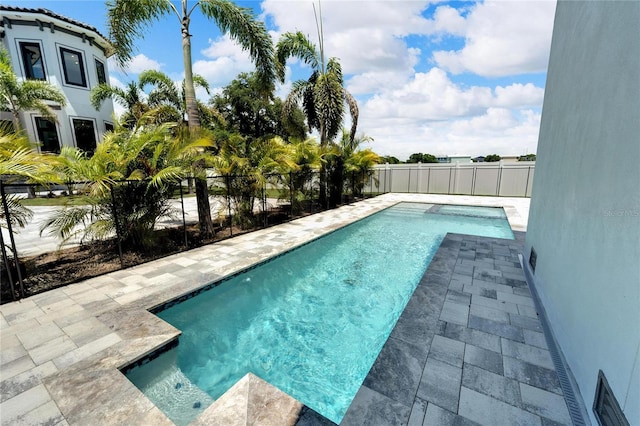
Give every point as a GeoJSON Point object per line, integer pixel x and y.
{"type": "Point", "coordinates": [585, 209]}
{"type": "Point", "coordinates": [78, 105]}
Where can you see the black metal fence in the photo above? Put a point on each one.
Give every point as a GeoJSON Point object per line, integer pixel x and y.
{"type": "Point", "coordinates": [129, 213]}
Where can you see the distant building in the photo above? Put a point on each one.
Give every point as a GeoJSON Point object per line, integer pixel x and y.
{"type": "Point", "coordinates": [454, 159]}
{"type": "Point", "coordinates": [68, 54]}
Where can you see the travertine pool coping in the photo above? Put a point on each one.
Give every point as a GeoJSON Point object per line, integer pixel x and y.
{"type": "Point", "coordinates": [61, 351]}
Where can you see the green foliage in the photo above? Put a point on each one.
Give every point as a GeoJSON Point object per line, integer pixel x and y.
{"type": "Point", "coordinates": [19, 214]}
{"type": "Point", "coordinates": [492, 158]}
{"type": "Point", "coordinates": [527, 157]}
{"type": "Point", "coordinates": [422, 158]}
{"type": "Point", "coordinates": [152, 158]}
{"type": "Point", "coordinates": [254, 116]}
{"type": "Point", "coordinates": [128, 20]}
{"type": "Point", "coordinates": [19, 160]}
{"type": "Point", "coordinates": [307, 156]}
{"type": "Point", "coordinates": [389, 159]}
{"type": "Point", "coordinates": [251, 164]}
{"type": "Point", "coordinates": [357, 162]}
{"type": "Point", "coordinates": [166, 99]}
{"type": "Point", "coordinates": [131, 98]}
{"type": "Point", "coordinates": [322, 96]}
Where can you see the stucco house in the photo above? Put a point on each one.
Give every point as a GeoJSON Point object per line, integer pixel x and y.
{"type": "Point", "coordinates": [68, 54]}
{"type": "Point", "coordinates": [583, 238]}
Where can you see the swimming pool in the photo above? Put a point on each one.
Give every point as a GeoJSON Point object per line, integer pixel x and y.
{"type": "Point", "coordinates": [312, 321]}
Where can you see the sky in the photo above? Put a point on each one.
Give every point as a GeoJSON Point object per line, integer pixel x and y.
{"type": "Point", "coordinates": [445, 78]}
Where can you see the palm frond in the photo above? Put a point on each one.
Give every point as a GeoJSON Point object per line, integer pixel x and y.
{"type": "Point", "coordinates": [65, 223]}
{"type": "Point", "coordinates": [353, 111]}
{"type": "Point", "coordinates": [328, 98]}
{"type": "Point", "coordinates": [250, 33]}
{"type": "Point", "coordinates": [103, 91]}
{"type": "Point", "coordinates": [19, 214]}
{"type": "Point", "coordinates": [295, 45]}
{"type": "Point", "coordinates": [127, 20]}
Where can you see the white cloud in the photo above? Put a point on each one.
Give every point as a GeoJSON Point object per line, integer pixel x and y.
{"type": "Point", "coordinates": [503, 132]}
{"type": "Point", "coordinates": [138, 63]}
{"type": "Point", "coordinates": [381, 44]}
{"type": "Point", "coordinates": [225, 60]}
{"type": "Point", "coordinates": [433, 114]}
{"type": "Point", "coordinates": [364, 36]}
{"type": "Point", "coordinates": [501, 37]}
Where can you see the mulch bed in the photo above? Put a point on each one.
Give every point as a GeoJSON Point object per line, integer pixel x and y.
{"type": "Point", "coordinates": [66, 266]}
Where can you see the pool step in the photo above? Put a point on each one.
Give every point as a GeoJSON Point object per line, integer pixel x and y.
{"type": "Point", "coordinates": [165, 384]}
{"type": "Point", "coordinates": [180, 399]}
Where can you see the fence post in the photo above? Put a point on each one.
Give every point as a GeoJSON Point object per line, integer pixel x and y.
{"type": "Point", "coordinates": [117, 223]}
{"type": "Point", "coordinates": [264, 204]}
{"type": "Point", "coordinates": [311, 193]}
{"type": "Point", "coordinates": [526, 186]}
{"type": "Point", "coordinates": [11, 239]}
{"type": "Point", "coordinates": [5, 257]}
{"type": "Point", "coordinates": [228, 183]}
{"type": "Point", "coordinates": [499, 183]}
{"type": "Point", "coordinates": [184, 221]}
{"type": "Point", "coordinates": [290, 195]}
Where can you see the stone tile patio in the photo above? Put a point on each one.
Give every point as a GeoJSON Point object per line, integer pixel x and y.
{"type": "Point", "coordinates": [468, 347]}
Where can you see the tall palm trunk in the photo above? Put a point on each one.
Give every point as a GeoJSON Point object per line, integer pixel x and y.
{"type": "Point", "coordinates": [189, 89]}
{"type": "Point", "coordinates": [202, 194]}
{"type": "Point", "coordinates": [16, 122]}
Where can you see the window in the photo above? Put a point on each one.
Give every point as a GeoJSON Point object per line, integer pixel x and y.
{"type": "Point", "coordinates": [85, 135]}
{"type": "Point", "coordinates": [32, 61]}
{"type": "Point", "coordinates": [108, 127]}
{"type": "Point", "coordinates": [605, 405]}
{"type": "Point", "coordinates": [73, 67]}
{"type": "Point", "coordinates": [100, 71]}
{"type": "Point", "coordinates": [47, 135]}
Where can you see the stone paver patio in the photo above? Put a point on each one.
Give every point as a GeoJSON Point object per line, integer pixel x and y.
{"type": "Point", "coordinates": [468, 347]}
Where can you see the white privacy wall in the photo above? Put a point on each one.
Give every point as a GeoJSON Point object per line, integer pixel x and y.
{"type": "Point", "coordinates": [584, 220]}
{"type": "Point", "coordinates": [493, 179]}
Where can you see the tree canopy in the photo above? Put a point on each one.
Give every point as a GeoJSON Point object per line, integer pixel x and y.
{"type": "Point", "coordinates": [527, 157]}
{"type": "Point", "coordinates": [422, 158]}
{"type": "Point", "coordinates": [256, 116]}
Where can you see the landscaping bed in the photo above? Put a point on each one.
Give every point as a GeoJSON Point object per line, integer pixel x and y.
{"type": "Point", "coordinates": [66, 266]}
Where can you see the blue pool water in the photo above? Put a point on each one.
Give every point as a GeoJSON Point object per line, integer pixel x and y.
{"type": "Point", "coordinates": [312, 321]}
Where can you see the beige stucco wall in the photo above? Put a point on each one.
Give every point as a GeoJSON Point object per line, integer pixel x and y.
{"type": "Point", "coordinates": [585, 210]}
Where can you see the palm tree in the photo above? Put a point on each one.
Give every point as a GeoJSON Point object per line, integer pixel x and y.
{"type": "Point", "coordinates": [357, 162]}
{"type": "Point", "coordinates": [151, 158]}
{"type": "Point", "coordinates": [166, 97]}
{"type": "Point", "coordinates": [306, 154]}
{"type": "Point", "coordinates": [16, 95]}
{"type": "Point", "coordinates": [322, 96]}
{"type": "Point", "coordinates": [19, 160]}
{"type": "Point", "coordinates": [127, 20]}
{"type": "Point", "coordinates": [249, 164]}
{"type": "Point", "coordinates": [131, 98]}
